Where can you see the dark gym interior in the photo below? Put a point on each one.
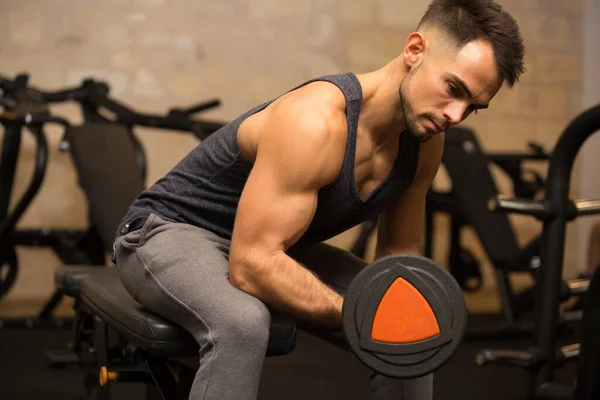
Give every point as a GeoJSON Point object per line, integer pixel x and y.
{"type": "Point", "coordinates": [100, 100]}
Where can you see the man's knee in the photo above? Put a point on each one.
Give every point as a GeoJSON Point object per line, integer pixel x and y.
{"type": "Point", "coordinates": [245, 324]}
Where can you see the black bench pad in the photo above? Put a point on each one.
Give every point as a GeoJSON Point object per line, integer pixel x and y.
{"type": "Point", "coordinates": [106, 297]}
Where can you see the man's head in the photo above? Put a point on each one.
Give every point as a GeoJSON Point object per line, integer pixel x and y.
{"type": "Point", "coordinates": [457, 60]}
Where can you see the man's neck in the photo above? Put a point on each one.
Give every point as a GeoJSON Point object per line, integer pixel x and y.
{"type": "Point", "coordinates": [381, 112]}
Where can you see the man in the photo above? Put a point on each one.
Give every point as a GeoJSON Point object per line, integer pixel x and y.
{"type": "Point", "coordinates": [234, 229]}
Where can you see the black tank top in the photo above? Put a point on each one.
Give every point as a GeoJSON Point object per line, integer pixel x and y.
{"type": "Point", "coordinates": [204, 188]}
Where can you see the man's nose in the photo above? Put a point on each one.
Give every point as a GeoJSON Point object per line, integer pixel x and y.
{"type": "Point", "coordinates": [455, 112]}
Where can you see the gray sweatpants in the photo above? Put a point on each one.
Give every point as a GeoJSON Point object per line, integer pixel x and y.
{"type": "Point", "coordinates": [180, 272]}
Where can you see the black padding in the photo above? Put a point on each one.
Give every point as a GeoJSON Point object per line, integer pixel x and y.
{"type": "Point", "coordinates": [105, 296]}
{"type": "Point", "coordinates": [282, 335]}
{"type": "Point", "coordinates": [68, 278]}
{"type": "Point", "coordinates": [105, 159]}
{"type": "Point", "coordinates": [473, 185]}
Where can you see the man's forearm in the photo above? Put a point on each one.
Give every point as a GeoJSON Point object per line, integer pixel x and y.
{"type": "Point", "coordinates": [285, 285]}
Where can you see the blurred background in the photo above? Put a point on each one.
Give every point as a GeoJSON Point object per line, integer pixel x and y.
{"type": "Point", "coordinates": [159, 54]}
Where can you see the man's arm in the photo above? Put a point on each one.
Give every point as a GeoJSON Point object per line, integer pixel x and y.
{"type": "Point", "coordinates": [401, 227]}
{"type": "Point", "coordinates": [299, 151]}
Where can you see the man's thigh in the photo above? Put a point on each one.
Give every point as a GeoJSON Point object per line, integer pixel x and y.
{"type": "Point", "coordinates": [181, 272]}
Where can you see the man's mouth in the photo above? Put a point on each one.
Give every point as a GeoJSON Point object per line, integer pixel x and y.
{"type": "Point", "coordinates": [436, 128]}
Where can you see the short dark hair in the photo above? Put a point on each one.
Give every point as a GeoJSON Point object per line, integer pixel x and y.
{"type": "Point", "coordinates": [468, 20]}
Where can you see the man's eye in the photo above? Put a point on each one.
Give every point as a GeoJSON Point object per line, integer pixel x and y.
{"type": "Point", "coordinates": [453, 90]}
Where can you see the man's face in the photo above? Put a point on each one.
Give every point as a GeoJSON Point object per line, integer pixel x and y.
{"type": "Point", "coordinates": [446, 85]}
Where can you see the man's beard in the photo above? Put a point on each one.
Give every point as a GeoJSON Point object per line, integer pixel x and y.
{"type": "Point", "coordinates": [410, 119]}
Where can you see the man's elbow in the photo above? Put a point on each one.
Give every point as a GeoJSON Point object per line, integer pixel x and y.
{"type": "Point", "coordinates": [242, 275]}
{"type": "Point", "coordinates": [250, 274]}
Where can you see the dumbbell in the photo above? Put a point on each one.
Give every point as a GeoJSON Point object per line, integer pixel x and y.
{"type": "Point", "coordinates": [404, 316]}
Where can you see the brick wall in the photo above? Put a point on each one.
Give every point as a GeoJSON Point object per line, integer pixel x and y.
{"type": "Point", "coordinates": [158, 53]}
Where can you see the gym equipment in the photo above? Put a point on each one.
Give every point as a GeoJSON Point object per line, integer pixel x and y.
{"type": "Point", "coordinates": [92, 142]}
{"type": "Point", "coordinates": [555, 210]}
{"type": "Point", "coordinates": [467, 167]}
{"type": "Point", "coordinates": [589, 358]}
{"type": "Point", "coordinates": [110, 164]}
{"type": "Point", "coordinates": [27, 107]}
{"type": "Point", "coordinates": [404, 316]}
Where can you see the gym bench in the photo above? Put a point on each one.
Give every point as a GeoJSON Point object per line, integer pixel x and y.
{"type": "Point", "coordinates": [132, 344]}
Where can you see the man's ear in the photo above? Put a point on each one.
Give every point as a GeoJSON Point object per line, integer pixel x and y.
{"type": "Point", "coordinates": [414, 49]}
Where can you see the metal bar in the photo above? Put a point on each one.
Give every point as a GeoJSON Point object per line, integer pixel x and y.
{"type": "Point", "coordinates": [571, 351]}
{"type": "Point", "coordinates": [20, 84]}
{"type": "Point", "coordinates": [547, 300]}
{"type": "Point", "coordinates": [506, 295]}
{"type": "Point", "coordinates": [512, 358]}
{"type": "Point", "coordinates": [500, 158]}
{"type": "Point", "coordinates": [588, 364]}
{"type": "Point", "coordinates": [163, 379]}
{"type": "Point", "coordinates": [205, 105]}
{"type": "Point", "coordinates": [553, 391]}
{"type": "Point", "coordinates": [518, 206]}
{"type": "Point", "coordinates": [73, 94]}
{"type": "Point", "coordinates": [578, 286]}
{"type": "Point", "coordinates": [538, 208]}
{"type": "Point", "coordinates": [553, 241]}
{"type": "Point", "coordinates": [32, 119]}
{"type": "Point", "coordinates": [41, 158]}
{"type": "Point", "coordinates": [51, 305]}
{"type": "Point", "coordinates": [128, 116]}
{"type": "Point", "coordinates": [8, 165]}
{"type": "Point", "coordinates": [429, 228]}
{"type": "Point", "coordinates": [101, 348]}
{"type": "Point", "coordinates": [587, 207]}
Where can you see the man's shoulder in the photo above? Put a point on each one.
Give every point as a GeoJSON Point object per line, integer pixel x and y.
{"type": "Point", "coordinates": [318, 107]}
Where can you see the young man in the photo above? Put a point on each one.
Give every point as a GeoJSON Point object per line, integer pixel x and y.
{"type": "Point", "coordinates": [234, 229]}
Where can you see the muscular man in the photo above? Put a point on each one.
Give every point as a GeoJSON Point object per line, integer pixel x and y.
{"type": "Point", "coordinates": [235, 229]}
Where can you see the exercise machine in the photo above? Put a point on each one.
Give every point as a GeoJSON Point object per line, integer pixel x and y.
{"type": "Point", "coordinates": [25, 108]}
{"type": "Point", "coordinates": [556, 209]}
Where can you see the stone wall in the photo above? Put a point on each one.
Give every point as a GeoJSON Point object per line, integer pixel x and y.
{"type": "Point", "coordinates": [156, 54]}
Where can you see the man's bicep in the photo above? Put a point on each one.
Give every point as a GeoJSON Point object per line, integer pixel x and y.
{"type": "Point", "coordinates": [271, 214]}
{"type": "Point", "coordinates": [294, 160]}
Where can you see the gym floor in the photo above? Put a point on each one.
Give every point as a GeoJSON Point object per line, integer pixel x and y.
{"type": "Point", "coordinates": [314, 370]}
